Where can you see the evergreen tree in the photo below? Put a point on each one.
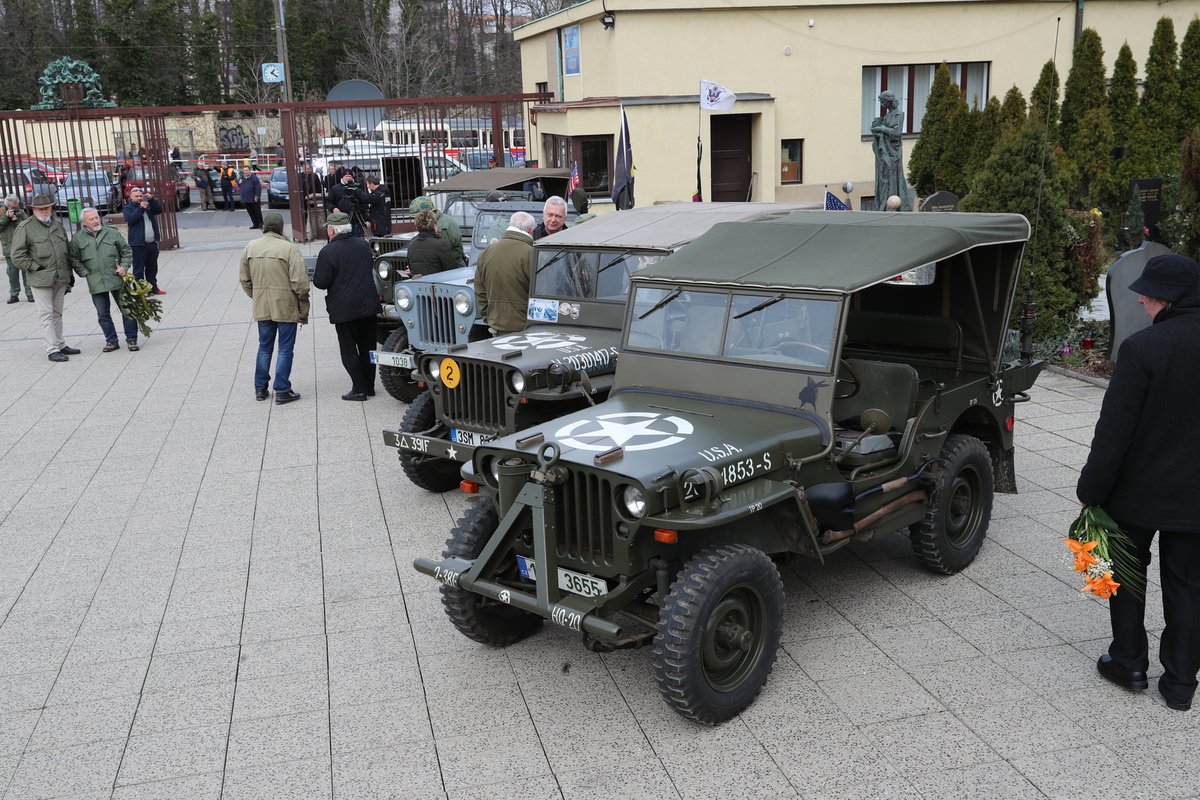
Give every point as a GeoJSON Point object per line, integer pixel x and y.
{"type": "Point", "coordinates": [952, 172]}
{"type": "Point", "coordinates": [1043, 100]}
{"type": "Point", "coordinates": [1094, 164]}
{"type": "Point", "coordinates": [203, 39]}
{"type": "Point", "coordinates": [83, 37]}
{"type": "Point", "coordinates": [1123, 97]}
{"type": "Point", "coordinates": [1084, 90]}
{"type": "Point", "coordinates": [937, 129]}
{"type": "Point", "coordinates": [988, 126]}
{"type": "Point", "coordinates": [1012, 113]}
{"type": "Point", "coordinates": [129, 54]}
{"type": "Point", "coordinates": [1189, 78]}
{"type": "Point", "coordinates": [1189, 195]}
{"type": "Point", "coordinates": [1012, 181]}
{"type": "Point", "coordinates": [1159, 107]}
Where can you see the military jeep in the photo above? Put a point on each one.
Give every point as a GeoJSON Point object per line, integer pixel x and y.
{"type": "Point", "coordinates": [785, 387]}
{"type": "Point", "coordinates": [565, 359]}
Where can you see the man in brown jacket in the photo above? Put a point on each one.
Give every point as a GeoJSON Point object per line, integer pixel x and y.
{"type": "Point", "coordinates": [502, 280]}
{"type": "Point", "coordinates": [273, 275]}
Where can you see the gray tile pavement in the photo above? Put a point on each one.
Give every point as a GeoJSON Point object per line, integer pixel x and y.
{"type": "Point", "coordinates": [203, 596]}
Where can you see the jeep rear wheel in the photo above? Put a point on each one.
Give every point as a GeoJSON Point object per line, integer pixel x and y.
{"type": "Point", "coordinates": [398, 382]}
{"type": "Point", "coordinates": [431, 474]}
{"type": "Point", "coordinates": [480, 618]}
{"type": "Point", "coordinates": [960, 508]}
{"type": "Point", "coordinates": [718, 632]}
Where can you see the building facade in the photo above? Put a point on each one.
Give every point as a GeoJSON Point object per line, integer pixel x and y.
{"type": "Point", "coordinates": [807, 77]}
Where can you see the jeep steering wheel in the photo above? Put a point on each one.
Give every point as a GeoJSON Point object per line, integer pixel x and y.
{"type": "Point", "coordinates": [797, 348]}
{"type": "Point", "coordinates": [853, 379]}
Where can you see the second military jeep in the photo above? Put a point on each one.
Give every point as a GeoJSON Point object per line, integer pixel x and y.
{"type": "Point", "coordinates": [566, 356]}
{"type": "Point", "coordinates": [785, 387]}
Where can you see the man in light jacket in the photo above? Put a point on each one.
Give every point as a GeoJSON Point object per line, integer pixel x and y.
{"type": "Point", "coordinates": [273, 275]}
{"type": "Point", "coordinates": [101, 255]}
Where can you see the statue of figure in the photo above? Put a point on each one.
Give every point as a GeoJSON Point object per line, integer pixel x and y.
{"type": "Point", "coordinates": [68, 70]}
{"type": "Point", "coordinates": [889, 167]}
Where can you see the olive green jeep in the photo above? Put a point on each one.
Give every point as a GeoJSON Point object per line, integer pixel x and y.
{"type": "Point", "coordinates": [785, 387]}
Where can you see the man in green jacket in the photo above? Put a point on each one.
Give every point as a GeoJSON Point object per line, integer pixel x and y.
{"type": "Point", "coordinates": [102, 255]}
{"type": "Point", "coordinates": [39, 249]}
{"type": "Point", "coordinates": [273, 275]}
{"type": "Point", "coordinates": [12, 216]}
{"type": "Point", "coordinates": [503, 277]}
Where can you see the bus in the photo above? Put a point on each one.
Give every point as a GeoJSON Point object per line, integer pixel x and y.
{"type": "Point", "coordinates": [457, 138]}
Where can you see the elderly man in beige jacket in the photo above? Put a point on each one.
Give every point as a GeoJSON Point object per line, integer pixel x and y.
{"type": "Point", "coordinates": [273, 275]}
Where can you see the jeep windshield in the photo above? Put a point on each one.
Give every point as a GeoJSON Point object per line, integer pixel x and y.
{"type": "Point", "coordinates": [599, 274]}
{"type": "Point", "coordinates": [759, 326]}
{"type": "Point", "coordinates": [489, 227]}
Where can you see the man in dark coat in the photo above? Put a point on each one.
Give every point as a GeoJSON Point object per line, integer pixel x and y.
{"type": "Point", "coordinates": [379, 205]}
{"type": "Point", "coordinates": [228, 179]}
{"type": "Point", "coordinates": [344, 271]}
{"type": "Point", "coordinates": [554, 218]}
{"type": "Point", "coordinates": [251, 197]}
{"type": "Point", "coordinates": [141, 218]}
{"type": "Point", "coordinates": [1142, 470]}
{"type": "Point", "coordinates": [427, 252]}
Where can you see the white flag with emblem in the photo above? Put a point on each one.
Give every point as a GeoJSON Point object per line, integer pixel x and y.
{"type": "Point", "coordinates": [716, 97]}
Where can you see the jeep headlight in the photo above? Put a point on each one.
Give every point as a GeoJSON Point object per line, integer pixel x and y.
{"type": "Point", "coordinates": [404, 299]}
{"type": "Point", "coordinates": [435, 369]}
{"type": "Point", "coordinates": [383, 268]}
{"type": "Point", "coordinates": [516, 382]}
{"type": "Point", "coordinates": [634, 502]}
{"type": "Point", "coordinates": [462, 303]}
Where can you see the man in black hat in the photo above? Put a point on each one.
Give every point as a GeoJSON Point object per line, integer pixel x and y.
{"type": "Point", "coordinates": [1141, 470]}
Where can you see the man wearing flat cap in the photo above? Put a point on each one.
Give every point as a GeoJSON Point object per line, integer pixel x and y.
{"type": "Point", "coordinates": [40, 250]}
{"type": "Point", "coordinates": [274, 277]}
{"type": "Point", "coordinates": [344, 272]}
{"type": "Point", "coordinates": [1142, 470]}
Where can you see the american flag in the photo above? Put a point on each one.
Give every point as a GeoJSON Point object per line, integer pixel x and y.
{"type": "Point", "coordinates": [833, 204]}
{"type": "Point", "coordinates": [574, 175]}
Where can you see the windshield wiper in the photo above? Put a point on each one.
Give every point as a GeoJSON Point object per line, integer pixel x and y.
{"type": "Point", "coordinates": [615, 261]}
{"type": "Point", "coordinates": [764, 304]}
{"type": "Point", "coordinates": [662, 303]}
{"type": "Point", "coordinates": [553, 258]}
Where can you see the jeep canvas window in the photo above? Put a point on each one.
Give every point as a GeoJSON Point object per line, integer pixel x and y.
{"type": "Point", "coordinates": [923, 275]}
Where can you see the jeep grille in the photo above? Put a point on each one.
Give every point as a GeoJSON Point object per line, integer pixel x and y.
{"type": "Point", "coordinates": [478, 402]}
{"type": "Point", "coordinates": [435, 319]}
{"type": "Point", "coordinates": [585, 519]}
{"type": "Point", "coordinates": [382, 246]}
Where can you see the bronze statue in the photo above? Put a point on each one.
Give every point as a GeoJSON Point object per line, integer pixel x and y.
{"type": "Point", "coordinates": [889, 167]}
{"type": "Point", "coordinates": [67, 70]}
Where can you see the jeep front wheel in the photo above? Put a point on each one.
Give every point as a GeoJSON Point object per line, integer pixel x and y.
{"type": "Point", "coordinates": [398, 382]}
{"type": "Point", "coordinates": [718, 632]}
{"type": "Point", "coordinates": [480, 618]}
{"type": "Point", "coordinates": [431, 474]}
{"type": "Point", "coordinates": [959, 509]}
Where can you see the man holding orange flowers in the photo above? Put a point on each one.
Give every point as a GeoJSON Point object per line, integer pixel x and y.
{"type": "Point", "coordinates": [1141, 470]}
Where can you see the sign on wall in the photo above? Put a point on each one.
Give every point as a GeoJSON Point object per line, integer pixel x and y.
{"type": "Point", "coordinates": [570, 39]}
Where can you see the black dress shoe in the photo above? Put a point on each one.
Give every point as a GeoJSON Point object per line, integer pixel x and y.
{"type": "Point", "coordinates": [57, 356]}
{"type": "Point", "coordinates": [261, 394]}
{"type": "Point", "coordinates": [70, 351]}
{"type": "Point", "coordinates": [286, 397]}
{"type": "Point", "coordinates": [1175, 705]}
{"type": "Point", "coordinates": [1114, 673]}
{"type": "Point", "coordinates": [357, 397]}
{"type": "Point", "coordinates": [13, 299]}
{"type": "Point", "coordinates": [371, 392]}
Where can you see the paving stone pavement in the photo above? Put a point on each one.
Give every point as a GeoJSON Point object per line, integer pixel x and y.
{"type": "Point", "coordinates": [203, 596]}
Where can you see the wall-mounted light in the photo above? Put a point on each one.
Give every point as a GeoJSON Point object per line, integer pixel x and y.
{"type": "Point", "coordinates": [608, 20]}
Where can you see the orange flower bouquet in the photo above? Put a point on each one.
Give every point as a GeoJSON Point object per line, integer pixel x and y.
{"type": "Point", "coordinates": [1104, 554]}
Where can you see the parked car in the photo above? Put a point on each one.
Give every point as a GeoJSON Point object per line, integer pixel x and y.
{"type": "Point", "coordinates": [277, 188]}
{"type": "Point", "coordinates": [92, 187]}
{"type": "Point", "coordinates": [478, 159]}
{"type": "Point", "coordinates": [138, 178]}
{"type": "Point", "coordinates": [565, 357]}
{"type": "Point", "coordinates": [26, 183]}
{"type": "Point", "coordinates": [779, 393]}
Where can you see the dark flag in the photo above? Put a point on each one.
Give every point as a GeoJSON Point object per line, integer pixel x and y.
{"type": "Point", "coordinates": [623, 185]}
{"type": "Point", "coordinates": [834, 204]}
{"type": "Point", "coordinates": [698, 197]}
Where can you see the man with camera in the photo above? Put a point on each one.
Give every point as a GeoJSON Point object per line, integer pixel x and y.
{"type": "Point", "coordinates": [379, 205]}
{"type": "Point", "coordinates": [348, 197]}
{"type": "Point", "coordinates": [141, 215]}
{"type": "Point", "coordinates": [203, 181]}
{"type": "Point", "coordinates": [252, 197]}
{"type": "Point", "coordinates": [9, 219]}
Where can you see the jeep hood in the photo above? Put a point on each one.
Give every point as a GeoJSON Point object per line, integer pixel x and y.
{"type": "Point", "coordinates": [537, 348]}
{"type": "Point", "coordinates": [661, 432]}
{"type": "Point", "coordinates": [460, 276]}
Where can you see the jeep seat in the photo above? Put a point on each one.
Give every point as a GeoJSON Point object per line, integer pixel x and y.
{"type": "Point", "coordinates": [885, 385]}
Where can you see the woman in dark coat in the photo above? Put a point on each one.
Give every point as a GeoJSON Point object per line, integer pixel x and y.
{"type": "Point", "coordinates": [1142, 470]}
{"type": "Point", "coordinates": [428, 253]}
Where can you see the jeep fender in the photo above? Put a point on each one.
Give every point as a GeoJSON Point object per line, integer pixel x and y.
{"type": "Point", "coordinates": [986, 428]}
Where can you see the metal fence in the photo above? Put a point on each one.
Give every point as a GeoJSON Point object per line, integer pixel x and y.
{"type": "Point", "coordinates": [90, 157]}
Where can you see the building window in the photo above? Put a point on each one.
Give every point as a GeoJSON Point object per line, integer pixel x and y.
{"type": "Point", "coordinates": [791, 161]}
{"type": "Point", "coordinates": [911, 84]}
{"type": "Point", "coordinates": [542, 87]}
{"type": "Point", "coordinates": [594, 154]}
